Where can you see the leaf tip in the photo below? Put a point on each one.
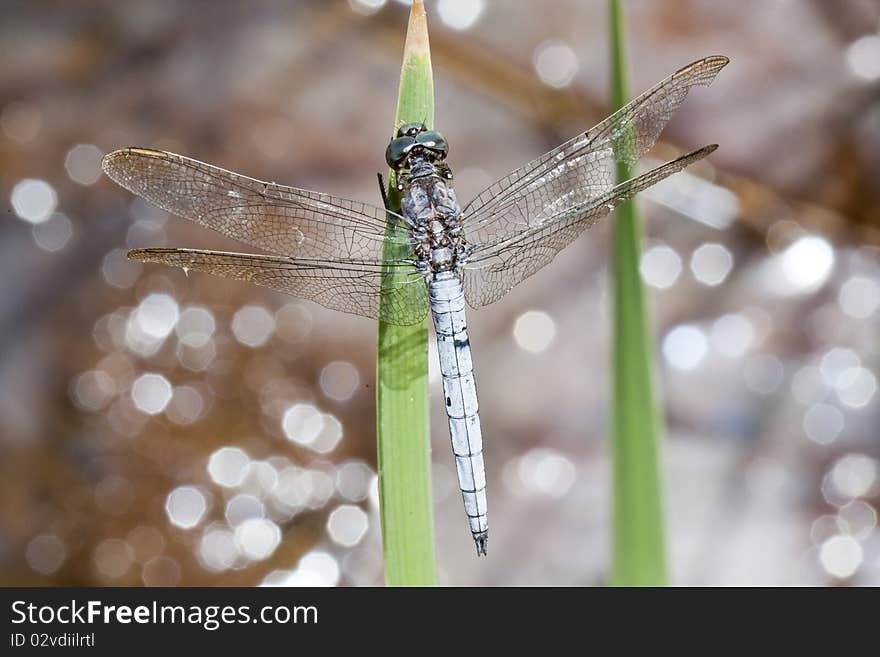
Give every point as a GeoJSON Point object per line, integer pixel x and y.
{"type": "Point", "coordinates": [416, 32]}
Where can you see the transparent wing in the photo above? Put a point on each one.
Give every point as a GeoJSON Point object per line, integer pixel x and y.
{"type": "Point", "coordinates": [493, 269]}
{"type": "Point", "coordinates": [584, 167]}
{"type": "Point", "coordinates": [352, 286]}
{"type": "Point", "coordinates": [278, 219]}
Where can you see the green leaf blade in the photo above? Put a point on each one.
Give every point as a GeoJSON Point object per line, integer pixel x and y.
{"type": "Point", "coordinates": [403, 427]}
{"type": "Point", "coordinates": [639, 549]}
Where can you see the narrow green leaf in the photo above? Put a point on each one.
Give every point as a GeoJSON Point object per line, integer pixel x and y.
{"type": "Point", "coordinates": [402, 374]}
{"type": "Point", "coordinates": [639, 552]}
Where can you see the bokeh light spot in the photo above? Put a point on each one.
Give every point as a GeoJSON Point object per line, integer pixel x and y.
{"type": "Point", "coordinates": [836, 361]}
{"type": "Point", "coordinates": [244, 507]}
{"type": "Point", "coordinates": [856, 387]}
{"type": "Point", "coordinates": [685, 346]}
{"type": "Point", "coordinates": [339, 380]}
{"type": "Point", "coordinates": [156, 315]}
{"type": "Point", "coordinates": [823, 423]}
{"type": "Point", "coordinates": [347, 525]}
{"type": "Point", "coordinates": [53, 234]}
{"type": "Point", "coordinates": [711, 263]}
{"type": "Point", "coordinates": [293, 322]}
{"type": "Point", "coordinates": [195, 327]}
{"type": "Point", "coordinates": [353, 480]}
{"type": "Point", "coordinates": [119, 271]}
{"type": "Point", "coordinates": [93, 390]}
{"type": "Point", "coordinates": [660, 266]}
{"type": "Point", "coordinates": [185, 506]}
{"type": "Point", "coordinates": [218, 550]}
{"type": "Point", "coordinates": [859, 297]}
{"type": "Point", "coordinates": [534, 331]}
{"type": "Point", "coordinates": [83, 164]}
{"type": "Point", "coordinates": [146, 541]}
{"type": "Point", "coordinates": [34, 200]}
{"type": "Point", "coordinates": [863, 57]}
{"type": "Point", "coordinates": [186, 406]}
{"type": "Point", "coordinates": [807, 263]}
{"type": "Point", "coordinates": [228, 466]}
{"type": "Point", "coordinates": [151, 393]}
{"type": "Point", "coordinates": [556, 63]}
{"type": "Point", "coordinates": [460, 14]}
{"type": "Point", "coordinates": [854, 475]}
{"type": "Point", "coordinates": [841, 556]}
{"type": "Point", "coordinates": [315, 568]}
{"type": "Point", "coordinates": [258, 538]}
{"type": "Point", "coordinates": [45, 553]}
{"type": "Point", "coordinates": [366, 7]}
{"type": "Point", "coordinates": [858, 518]}
{"type": "Point", "coordinates": [302, 424]}
{"type": "Point", "coordinates": [161, 571]}
{"type": "Point", "coordinates": [546, 471]}
{"type": "Point", "coordinates": [330, 435]}
{"type": "Point", "coordinates": [113, 557]}
{"type": "Point", "coordinates": [252, 326]}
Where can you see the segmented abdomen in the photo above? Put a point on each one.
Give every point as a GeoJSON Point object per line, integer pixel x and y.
{"type": "Point", "coordinates": [460, 393]}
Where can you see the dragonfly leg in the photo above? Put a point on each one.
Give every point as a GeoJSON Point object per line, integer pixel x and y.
{"type": "Point", "coordinates": [382, 191]}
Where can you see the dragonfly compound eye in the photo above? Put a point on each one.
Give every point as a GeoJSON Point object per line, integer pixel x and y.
{"type": "Point", "coordinates": [434, 141]}
{"type": "Point", "coordinates": [398, 150]}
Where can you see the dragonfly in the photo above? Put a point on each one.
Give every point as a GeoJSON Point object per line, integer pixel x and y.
{"type": "Point", "coordinates": [434, 255]}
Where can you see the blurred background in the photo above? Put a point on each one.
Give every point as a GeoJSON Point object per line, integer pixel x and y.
{"type": "Point", "coordinates": [158, 429]}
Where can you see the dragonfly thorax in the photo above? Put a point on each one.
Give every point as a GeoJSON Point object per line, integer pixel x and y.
{"type": "Point", "coordinates": [431, 210]}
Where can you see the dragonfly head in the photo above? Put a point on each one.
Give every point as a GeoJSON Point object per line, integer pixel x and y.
{"type": "Point", "coordinates": [415, 139]}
